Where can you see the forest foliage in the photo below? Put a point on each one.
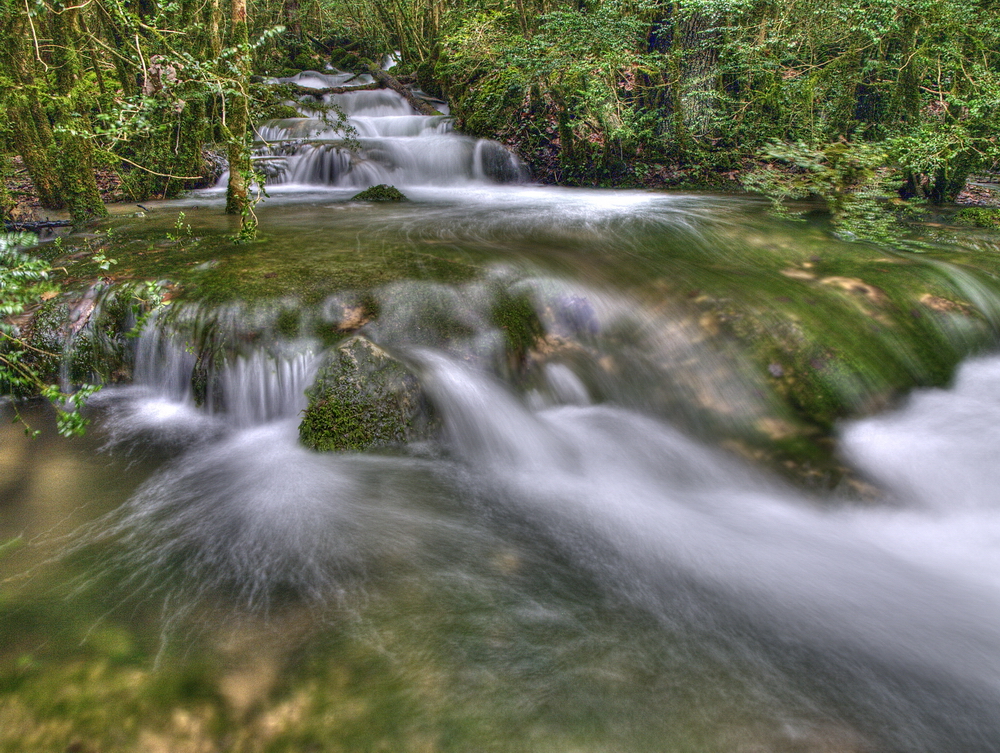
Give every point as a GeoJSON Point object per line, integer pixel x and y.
{"type": "Point", "coordinates": [794, 96]}
{"type": "Point", "coordinates": [631, 91]}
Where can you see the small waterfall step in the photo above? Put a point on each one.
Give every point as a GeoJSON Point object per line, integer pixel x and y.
{"type": "Point", "coordinates": [380, 138]}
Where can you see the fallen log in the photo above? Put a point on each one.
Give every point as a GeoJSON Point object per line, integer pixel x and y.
{"type": "Point", "coordinates": [382, 80]}
{"type": "Point", "coordinates": [31, 226]}
{"type": "Point", "coordinates": [397, 86]}
{"type": "Point", "coordinates": [299, 89]}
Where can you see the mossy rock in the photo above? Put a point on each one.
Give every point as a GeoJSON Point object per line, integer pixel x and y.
{"type": "Point", "coordinates": [978, 217]}
{"type": "Point", "coordinates": [381, 192]}
{"type": "Point", "coordinates": [515, 316]}
{"type": "Point", "coordinates": [281, 111]}
{"type": "Point", "coordinates": [364, 398]}
{"type": "Point", "coordinates": [86, 338]}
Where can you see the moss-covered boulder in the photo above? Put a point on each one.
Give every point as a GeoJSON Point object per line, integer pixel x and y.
{"type": "Point", "coordinates": [83, 337]}
{"type": "Point", "coordinates": [381, 192]}
{"type": "Point", "coordinates": [363, 398]}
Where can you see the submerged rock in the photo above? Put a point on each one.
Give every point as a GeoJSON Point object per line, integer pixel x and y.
{"type": "Point", "coordinates": [381, 192]}
{"type": "Point", "coordinates": [364, 398]}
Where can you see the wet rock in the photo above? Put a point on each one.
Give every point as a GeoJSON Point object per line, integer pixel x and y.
{"type": "Point", "coordinates": [515, 316]}
{"type": "Point", "coordinates": [82, 339]}
{"type": "Point", "coordinates": [348, 313]}
{"type": "Point", "coordinates": [364, 398]}
{"type": "Point", "coordinates": [944, 305]}
{"type": "Point", "coordinates": [381, 192]}
{"type": "Point", "coordinates": [45, 336]}
{"type": "Point", "coordinates": [575, 315]}
{"type": "Point", "coordinates": [858, 287]}
{"type": "Point", "coordinates": [213, 164]}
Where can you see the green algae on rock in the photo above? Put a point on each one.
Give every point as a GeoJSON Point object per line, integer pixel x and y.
{"type": "Point", "coordinates": [381, 192]}
{"type": "Point", "coordinates": [978, 217]}
{"type": "Point", "coordinates": [363, 398]}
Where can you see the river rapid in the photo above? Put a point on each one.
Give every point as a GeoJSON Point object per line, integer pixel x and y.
{"type": "Point", "coordinates": [602, 546]}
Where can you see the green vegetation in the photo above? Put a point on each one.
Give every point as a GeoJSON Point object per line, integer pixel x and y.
{"type": "Point", "coordinates": [27, 366]}
{"type": "Point", "coordinates": [978, 217]}
{"type": "Point", "coordinates": [848, 100]}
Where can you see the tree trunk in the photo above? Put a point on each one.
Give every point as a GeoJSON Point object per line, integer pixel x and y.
{"type": "Point", "coordinates": [214, 28]}
{"type": "Point", "coordinates": [292, 19]}
{"type": "Point", "coordinates": [76, 154]}
{"type": "Point", "coordinates": [34, 142]}
{"type": "Point", "coordinates": [393, 83]}
{"type": "Point", "coordinates": [908, 88]}
{"type": "Point", "coordinates": [7, 202]}
{"type": "Point", "coordinates": [30, 133]}
{"type": "Point", "coordinates": [238, 199]}
{"type": "Point", "coordinates": [116, 28]}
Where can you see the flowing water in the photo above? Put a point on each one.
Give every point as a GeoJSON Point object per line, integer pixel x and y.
{"type": "Point", "coordinates": [594, 550]}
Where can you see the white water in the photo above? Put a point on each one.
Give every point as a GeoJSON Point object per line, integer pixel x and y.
{"type": "Point", "coordinates": [883, 620]}
{"type": "Point", "coordinates": [395, 144]}
{"type": "Point", "coordinates": [889, 615]}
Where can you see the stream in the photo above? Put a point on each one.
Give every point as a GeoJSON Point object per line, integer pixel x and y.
{"type": "Point", "coordinates": [629, 531]}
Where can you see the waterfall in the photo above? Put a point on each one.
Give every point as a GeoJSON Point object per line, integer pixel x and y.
{"type": "Point", "coordinates": [880, 614]}
{"type": "Point", "coordinates": [672, 493]}
{"type": "Point", "coordinates": [382, 140]}
{"type": "Point", "coordinates": [181, 390]}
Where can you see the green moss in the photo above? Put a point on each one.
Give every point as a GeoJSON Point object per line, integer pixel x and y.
{"type": "Point", "coordinates": [289, 322]}
{"type": "Point", "coordinates": [515, 316]}
{"type": "Point", "coordinates": [280, 112]}
{"type": "Point", "coordinates": [346, 418]}
{"type": "Point", "coordinates": [978, 217]}
{"type": "Point", "coordinates": [363, 398]}
{"type": "Point", "coordinates": [300, 254]}
{"type": "Point", "coordinates": [99, 351]}
{"type": "Point", "coordinates": [381, 192]}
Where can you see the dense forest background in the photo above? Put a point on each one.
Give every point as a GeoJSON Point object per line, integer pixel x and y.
{"type": "Point", "coordinates": [842, 99]}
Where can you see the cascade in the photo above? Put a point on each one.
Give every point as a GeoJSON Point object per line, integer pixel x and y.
{"type": "Point", "coordinates": [591, 549]}
{"type": "Point", "coordinates": [382, 139]}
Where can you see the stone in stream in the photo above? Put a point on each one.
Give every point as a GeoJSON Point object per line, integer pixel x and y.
{"type": "Point", "coordinates": [363, 398]}
{"type": "Point", "coordinates": [381, 192]}
{"type": "Point", "coordinates": [81, 338]}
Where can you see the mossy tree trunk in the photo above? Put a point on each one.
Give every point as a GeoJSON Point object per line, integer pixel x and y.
{"type": "Point", "coordinates": [7, 202]}
{"type": "Point", "coordinates": [116, 26]}
{"type": "Point", "coordinates": [30, 133]}
{"type": "Point", "coordinates": [908, 91]}
{"type": "Point", "coordinates": [238, 199]}
{"type": "Point", "coordinates": [291, 13]}
{"type": "Point", "coordinates": [167, 158]}
{"type": "Point", "coordinates": [679, 148]}
{"type": "Point", "coordinates": [74, 133]}
{"type": "Point", "coordinates": [214, 18]}
{"type": "Point", "coordinates": [32, 138]}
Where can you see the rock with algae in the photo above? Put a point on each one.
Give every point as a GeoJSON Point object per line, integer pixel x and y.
{"type": "Point", "coordinates": [381, 192]}
{"type": "Point", "coordinates": [362, 398]}
{"type": "Point", "coordinates": [978, 217]}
